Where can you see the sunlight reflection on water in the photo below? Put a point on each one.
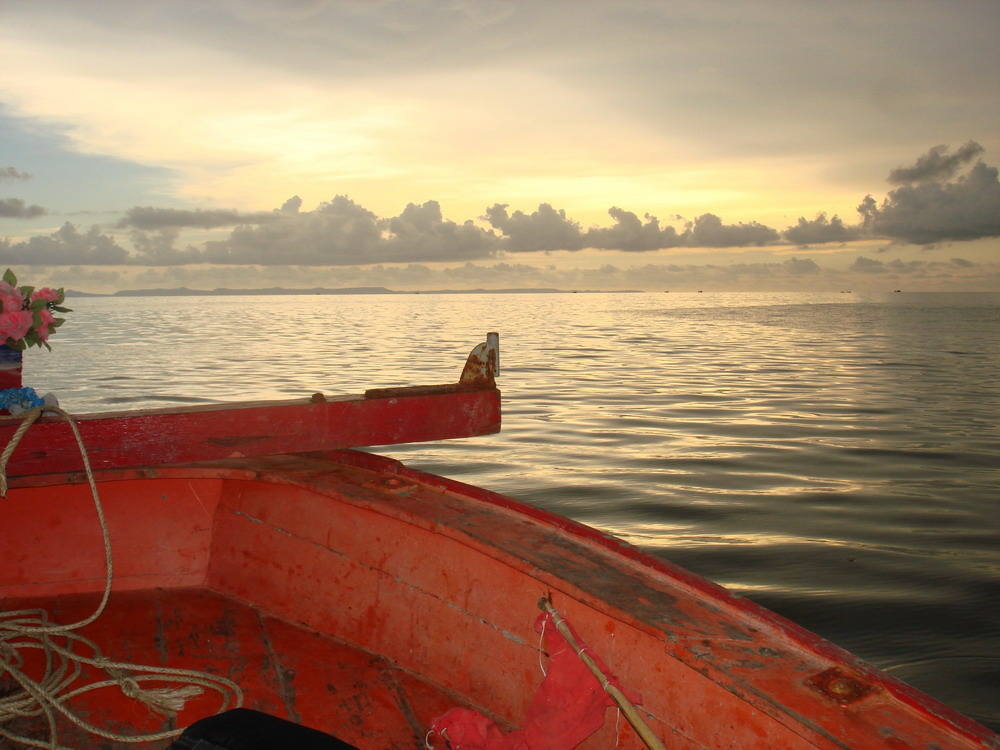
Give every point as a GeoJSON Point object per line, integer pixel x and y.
{"type": "Point", "coordinates": [831, 456]}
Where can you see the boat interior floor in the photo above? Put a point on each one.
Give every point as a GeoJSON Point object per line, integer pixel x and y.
{"type": "Point", "coordinates": [283, 669]}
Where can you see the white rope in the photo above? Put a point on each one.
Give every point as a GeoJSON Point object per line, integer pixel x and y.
{"type": "Point", "coordinates": [541, 646]}
{"type": "Point", "coordinates": [48, 695]}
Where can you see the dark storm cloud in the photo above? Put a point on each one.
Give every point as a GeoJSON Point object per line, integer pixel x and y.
{"type": "Point", "coordinates": [820, 231]}
{"type": "Point", "coordinates": [65, 246]}
{"type": "Point", "coordinates": [149, 218]}
{"type": "Point", "coordinates": [15, 208]}
{"type": "Point", "coordinates": [936, 164]}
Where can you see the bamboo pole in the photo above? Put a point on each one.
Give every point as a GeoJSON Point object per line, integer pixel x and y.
{"type": "Point", "coordinates": [630, 712]}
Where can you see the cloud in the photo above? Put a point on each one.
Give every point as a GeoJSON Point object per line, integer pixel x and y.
{"type": "Point", "coordinates": [936, 164]}
{"type": "Point", "coordinates": [709, 231]}
{"type": "Point", "coordinates": [15, 208]}
{"type": "Point", "coordinates": [820, 231]}
{"type": "Point", "coordinates": [544, 229]}
{"type": "Point", "coordinates": [911, 270]}
{"type": "Point", "coordinates": [548, 229]}
{"type": "Point", "coordinates": [867, 265]}
{"type": "Point", "coordinates": [792, 274]}
{"type": "Point", "coordinates": [147, 218]}
{"type": "Point", "coordinates": [631, 235]}
{"type": "Point", "coordinates": [420, 233]}
{"type": "Point", "coordinates": [932, 205]}
{"type": "Point", "coordinates": [342, 232]}
{"type": "Point", "coordinates": [9, 173]}
{"type": "Point", "coordinates": [801, 266]}
{"type": "Point", "coordinates": [907, 267]}
{"type": "Point", "coordinates": [158, 249]}
{"type": "Point", "coordinates": [65, 246]}
{"type": "Point", "coordinates": [337, 233]}
{"type": "Point", "coordinates": [964, 209]}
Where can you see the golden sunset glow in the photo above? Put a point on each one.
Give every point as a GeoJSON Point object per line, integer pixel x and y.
{"type": "Point", "coordinates": [667, 112]}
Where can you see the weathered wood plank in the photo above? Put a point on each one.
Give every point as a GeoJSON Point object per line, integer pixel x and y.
{"type": "Point", "coordinates": [173, 435]}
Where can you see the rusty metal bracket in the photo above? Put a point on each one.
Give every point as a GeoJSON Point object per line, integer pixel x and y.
{"type": "Point", "coordinates": [483, 364]}
{"type": "Point", "coordinates": [481, 369]}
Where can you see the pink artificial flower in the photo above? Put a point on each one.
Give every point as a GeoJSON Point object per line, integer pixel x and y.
{"type": "Point", "coordinates": [49, 295]}
{"type": "Point", "coordinates": [14, 325]}
{"type": "Point", "coordinates": [11, 297]}
{"type": "Point", "coordinates": [44, 329]}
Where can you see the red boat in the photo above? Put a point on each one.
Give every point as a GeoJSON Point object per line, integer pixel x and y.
{"type": "Point", "coordinates": [345, 592]}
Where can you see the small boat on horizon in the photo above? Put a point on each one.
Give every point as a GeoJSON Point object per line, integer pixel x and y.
{"type": "Point", "coordinates": [252, 555]}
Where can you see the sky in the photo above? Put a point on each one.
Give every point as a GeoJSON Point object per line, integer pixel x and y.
{"type": "Point", "coordinates": [672, 145]}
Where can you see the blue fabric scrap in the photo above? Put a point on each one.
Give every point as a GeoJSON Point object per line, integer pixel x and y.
{"type": "Point", "coordinates": [16, 400]}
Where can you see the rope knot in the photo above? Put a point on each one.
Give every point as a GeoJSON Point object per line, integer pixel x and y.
{"type": "Point", "coordinates": [165, 701]}
{"type": "Point", "coordinates": [9, 655]}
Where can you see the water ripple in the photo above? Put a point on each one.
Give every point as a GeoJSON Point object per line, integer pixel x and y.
{"type": "Point", "coordinates": [834, 459]}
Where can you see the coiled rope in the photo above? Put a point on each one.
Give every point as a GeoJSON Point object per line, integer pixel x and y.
{"type": "Point", "coordinates": [49, 695]}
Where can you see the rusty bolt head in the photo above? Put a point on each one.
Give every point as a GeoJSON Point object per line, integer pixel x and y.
{"type": "Point", "coordinates": [837, 685]}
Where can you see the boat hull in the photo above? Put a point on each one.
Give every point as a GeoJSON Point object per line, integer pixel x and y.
{"type": "Point", "coordinates": [438, 583]}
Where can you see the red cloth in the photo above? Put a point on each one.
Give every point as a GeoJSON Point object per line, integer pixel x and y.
{"type": "Point", "coordinates": [568, 707]}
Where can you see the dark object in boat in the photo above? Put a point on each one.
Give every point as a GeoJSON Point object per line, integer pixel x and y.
{"type": "Point", "coordinates": [246, 729]}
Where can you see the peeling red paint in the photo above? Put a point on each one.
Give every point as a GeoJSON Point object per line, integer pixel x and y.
{"type": "Point", "coordinates": [438, 583]}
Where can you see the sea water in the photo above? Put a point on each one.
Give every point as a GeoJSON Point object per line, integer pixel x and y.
{"type": "Point", "coordinates": [832, 456]}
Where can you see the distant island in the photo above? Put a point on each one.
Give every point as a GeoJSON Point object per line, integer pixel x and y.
{"type": "Point", "coordinates": [185, 292]}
